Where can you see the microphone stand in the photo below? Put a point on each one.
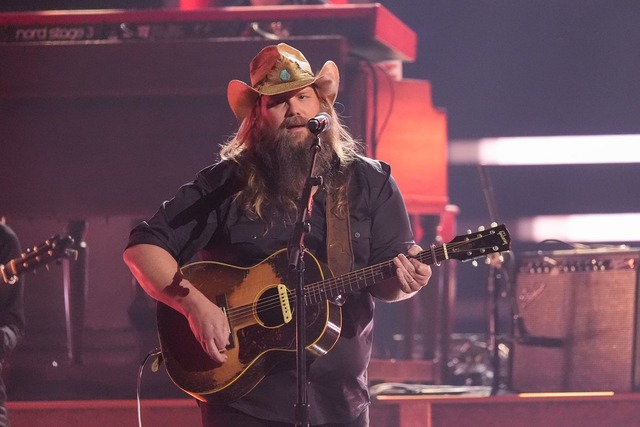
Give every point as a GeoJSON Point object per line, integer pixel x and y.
{"type": "Point", "coordinates": [500, 268]}
{"type": "Point", "coordinates": [496, 270]}
{"type": "Point", "coordinates": [295, 253]}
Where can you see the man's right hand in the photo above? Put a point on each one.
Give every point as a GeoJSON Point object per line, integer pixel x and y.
{"type": "Point", "coordinates": [209, 325]}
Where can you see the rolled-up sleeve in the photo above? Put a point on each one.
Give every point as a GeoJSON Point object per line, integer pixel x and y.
{"type": "Point", "coordinates": [183, 225]}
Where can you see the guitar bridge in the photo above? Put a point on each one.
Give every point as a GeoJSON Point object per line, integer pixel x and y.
{"type": "Point", "coordinates": [284, 303]}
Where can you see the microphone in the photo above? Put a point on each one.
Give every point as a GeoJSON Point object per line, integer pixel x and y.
{"type": "Point", "coordinates": [319, 123]}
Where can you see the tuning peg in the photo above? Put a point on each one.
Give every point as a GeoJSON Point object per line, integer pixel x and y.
{"type": "Point", "coordinates": [481, 228]}
{"type": "Point", "coordinates": [494, 259]}
{"type": "Point", "coordinates": [469, 231]}
{"type": "Point", "coordinates": [494, 224]}
{"type": "Point", "coordinates": [474, 262]}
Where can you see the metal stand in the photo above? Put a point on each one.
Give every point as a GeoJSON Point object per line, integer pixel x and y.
{"type": "Point", "coordinates": [75, 291]}
{"type": "Point", "coordinates": [500, 268]}
{"type": "Point", "coordinates": [497, 271]}
{"type": "Point", "coordinates": [296, 275]}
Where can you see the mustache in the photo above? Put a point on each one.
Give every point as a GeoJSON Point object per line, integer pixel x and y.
{"type": "Point", "coordinates": [294, 121]}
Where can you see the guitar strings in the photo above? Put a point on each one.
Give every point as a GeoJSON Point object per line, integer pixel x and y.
{"type": "Point", "coordinates": [315, 291]}
{"type": "Point", "coordinates": [325, 286]}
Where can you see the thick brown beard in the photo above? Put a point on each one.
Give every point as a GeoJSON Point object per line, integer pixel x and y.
{"type": "Point", "coordinates": [284, 165]}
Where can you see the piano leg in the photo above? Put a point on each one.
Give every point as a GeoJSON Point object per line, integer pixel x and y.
{"type": "Point", "coordinates": [75, 290]}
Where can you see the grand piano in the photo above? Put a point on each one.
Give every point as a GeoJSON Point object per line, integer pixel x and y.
{"type": "Point", "coordinates": [107, 112]}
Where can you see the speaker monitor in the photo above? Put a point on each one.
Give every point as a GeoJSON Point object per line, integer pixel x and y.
{"type": "Point", "coordinates": [579, 310]}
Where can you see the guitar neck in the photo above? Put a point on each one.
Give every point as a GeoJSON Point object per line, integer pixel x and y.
{"type": "Point", "coordinates": [336, 286]}
{"type": "Point", "coordinates": [482, 243]}
{"type": "Point", "coordinates": [50, 250]}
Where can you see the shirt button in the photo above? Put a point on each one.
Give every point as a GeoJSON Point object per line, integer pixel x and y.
{"type": "Point", "coordinates": [357, 234]}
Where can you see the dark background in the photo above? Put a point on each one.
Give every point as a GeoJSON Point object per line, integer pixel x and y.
{"type": "Point", "coordinates": [509, 67]}
{"type": "Point", "coordinates": [498, 68]}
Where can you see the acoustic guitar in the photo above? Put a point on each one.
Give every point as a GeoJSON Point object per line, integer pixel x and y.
{"type": "Point", "coordinates": [260, 308]}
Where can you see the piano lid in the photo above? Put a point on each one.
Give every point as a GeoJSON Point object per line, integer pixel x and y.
{"type": "Point", "coordinates": [372, 31]}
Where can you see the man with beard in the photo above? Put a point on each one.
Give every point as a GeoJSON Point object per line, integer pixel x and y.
{"type": "Point", "coordinates": [242, 209]}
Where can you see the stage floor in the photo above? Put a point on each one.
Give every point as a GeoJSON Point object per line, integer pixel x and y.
{"type": "Point", "coordinates": [526, 410]}
{"type": "Point", "coordinates": [557, 410]}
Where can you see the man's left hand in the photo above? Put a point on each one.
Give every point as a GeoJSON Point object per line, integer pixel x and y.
{"type": "Point", "coordinates": [412, 274]}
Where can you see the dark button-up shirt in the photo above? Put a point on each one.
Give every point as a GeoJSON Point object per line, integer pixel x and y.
{"type": "Point", "coordinates": [203, 219]}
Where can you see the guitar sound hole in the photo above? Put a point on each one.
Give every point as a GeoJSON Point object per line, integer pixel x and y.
{"type": "Point", "coordinates": [268, 309]}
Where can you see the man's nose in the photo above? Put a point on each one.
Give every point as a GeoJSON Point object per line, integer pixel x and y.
{"type": "Point", "coordinates": [293, 108]}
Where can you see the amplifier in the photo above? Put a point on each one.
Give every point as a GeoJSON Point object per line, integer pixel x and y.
{"type": "Point", "coordinates": [579, 321]}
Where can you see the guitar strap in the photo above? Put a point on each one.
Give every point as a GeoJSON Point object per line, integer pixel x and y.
{"type": "Point", "coordinates": [339, 245]}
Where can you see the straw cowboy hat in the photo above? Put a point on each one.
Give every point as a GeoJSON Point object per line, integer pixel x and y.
{"type": "Point", "coordinates": [279, 69]}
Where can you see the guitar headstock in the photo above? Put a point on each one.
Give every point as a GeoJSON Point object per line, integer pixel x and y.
{"type": "Point", "coordinates": [50, 250]}
{"type": "Point", "coordinates": [481, 243]}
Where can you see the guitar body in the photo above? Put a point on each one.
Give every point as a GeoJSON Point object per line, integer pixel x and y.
{"type": "Point", "coordinates": [260, 309]}
{"type": "Point", "coordinates": [261, 338]}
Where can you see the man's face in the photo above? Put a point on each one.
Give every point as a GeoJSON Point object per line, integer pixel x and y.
{"type": "Point", "coordinates": [287, 114]}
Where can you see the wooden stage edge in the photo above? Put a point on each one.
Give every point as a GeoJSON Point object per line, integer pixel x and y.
{"type": "Point", "coordinates": [98, 413]}
{"type": "Point", "coordinates": [531, 410]}
{"type": "Point", "coordinates": [537, 410]}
